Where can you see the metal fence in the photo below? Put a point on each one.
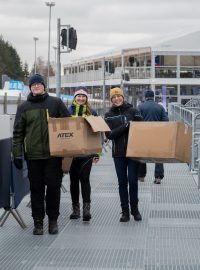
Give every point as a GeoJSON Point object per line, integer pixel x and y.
{"type": "Point", "coordinates": [190, 115]}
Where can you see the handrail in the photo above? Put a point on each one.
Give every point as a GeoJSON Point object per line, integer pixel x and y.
{"type": "Point", "coordinates": [191, 116]}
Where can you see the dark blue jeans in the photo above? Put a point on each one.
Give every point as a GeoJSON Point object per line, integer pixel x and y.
{"type": "Point", "coordinates": [158, 172]}
{"type": "Point", "coordinates": [127, 174]}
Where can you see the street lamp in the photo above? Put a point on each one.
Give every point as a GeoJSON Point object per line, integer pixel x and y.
{"type": "Point", "coordinates": [50, 5]}
{"type": "Point", "coordinates": [35, 39]}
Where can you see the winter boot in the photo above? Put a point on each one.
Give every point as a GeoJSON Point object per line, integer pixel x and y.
{"type": "Point", "coordinates": [141, 179]}
{"type": "Point", "coordinates": [157, 180]}
{"type": "Point", "coordinates": [76, 211]}
{"type": "Point", "coordinates": [38, 227]}
{"type": "Point", "coordinates": [135, 212]}
{"type": "Point", "coordinates": [53, 226]}
{"type": "Point", "coordinates": [86, 212]}
{"type": "Point", "coordinates": [125, 215]}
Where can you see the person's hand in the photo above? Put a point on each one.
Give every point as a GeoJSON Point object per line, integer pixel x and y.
{"type": "Point", "coordinates": [95, 159]}
{"type": "Point", "coordinates": [18, 163]}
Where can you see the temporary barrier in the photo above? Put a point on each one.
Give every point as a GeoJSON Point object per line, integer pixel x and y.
{"type": "Point", "coordinates": [5, 173]}
{"type": "Point", "coordinates": [14, 184]}
{"type": "Point", "coordinates": [190, 115]}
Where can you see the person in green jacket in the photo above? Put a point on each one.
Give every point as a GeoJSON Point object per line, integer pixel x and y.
{"type": "Point", "coordinates": [31, 140]}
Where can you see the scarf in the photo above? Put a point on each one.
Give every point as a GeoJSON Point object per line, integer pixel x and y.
{"type": "Point", "coordinates": [79, 110]}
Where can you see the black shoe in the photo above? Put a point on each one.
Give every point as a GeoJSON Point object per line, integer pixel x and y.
{"type": "Point", "coordinates": [86, 212]}
{"type": "Point", "coordinates": [76, 211]}
{"type": "Point", "coordinates": [135, 213]}
{"type": "Point", "coordinates": [53, 227]}
{"type": "Point", "coordinates": [125, 215]}
{"type": "Point", "coordinates": [38, 227]}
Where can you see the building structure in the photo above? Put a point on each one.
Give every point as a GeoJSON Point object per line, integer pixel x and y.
{"type": "Point", "coordinates": [170, 68]}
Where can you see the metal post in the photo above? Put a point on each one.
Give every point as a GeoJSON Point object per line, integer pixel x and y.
{"type": "Point", "coordinates": [50, 5]}
{"type": "Point", "coordinates": [58, 75]}
{"type": "Point", "coordinates": [153, 73]}
{"type": "Point", "coordinates": [104, 85]}
{"type": "Point", "coordinates": [35, 39]}
{"type": "Point", "coordinates": [122, 70]}
{"type": "Point", "coordinates": [55, 65]}
{"type": "Point", "coordinates": [55, 49]}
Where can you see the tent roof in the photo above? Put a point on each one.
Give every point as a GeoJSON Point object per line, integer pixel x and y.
{"type": "Point", "coordinates": [184, 42]}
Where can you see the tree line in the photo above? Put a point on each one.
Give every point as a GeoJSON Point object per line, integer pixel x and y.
{"type": "Point", "coordinates": [12, 66]}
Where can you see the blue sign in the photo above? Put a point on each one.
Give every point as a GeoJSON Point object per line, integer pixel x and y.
{"type": "Point", "coordinates": [66, 97]}
{"type": "Point", "coordinates": [16, 85]}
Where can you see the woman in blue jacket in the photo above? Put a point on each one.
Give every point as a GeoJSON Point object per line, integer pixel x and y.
{"type": "Point", "coordinates": [81, 166]}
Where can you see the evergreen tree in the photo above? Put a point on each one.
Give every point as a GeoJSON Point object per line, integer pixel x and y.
{"type": "Point", "coordinates": [10, 63]}
{"type": "Point", "coordinates": [26, 73]}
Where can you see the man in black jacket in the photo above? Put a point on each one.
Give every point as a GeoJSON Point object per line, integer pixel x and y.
{"type": "Point", "coordinates": [152, 111]}
{"type": "Point", "coordinates": [118, 118]}
{"type": "Point", "coordinates": [30, 138]}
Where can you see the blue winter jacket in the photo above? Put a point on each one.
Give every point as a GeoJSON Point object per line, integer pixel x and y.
{"type": "Point", "coordinates": [152, 111]}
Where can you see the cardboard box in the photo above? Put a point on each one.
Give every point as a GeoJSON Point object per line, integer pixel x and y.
{"type": "Point", "coordinates": [160, 142]}
{"type": "Point", "coordinates": [66, 164]}
{"type": "Point", "coordinates": [76, 136]}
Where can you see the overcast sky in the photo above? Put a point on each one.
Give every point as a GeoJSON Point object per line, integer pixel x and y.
{"type": "Point", "coordinates": [101, 24]}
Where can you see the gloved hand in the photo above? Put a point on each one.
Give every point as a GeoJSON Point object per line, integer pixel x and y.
{"type": "Point", "coordinates": [18, 163]}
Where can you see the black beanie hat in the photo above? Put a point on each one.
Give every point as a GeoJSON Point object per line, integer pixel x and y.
{"type": "Point", "coordinates": [36, 78]}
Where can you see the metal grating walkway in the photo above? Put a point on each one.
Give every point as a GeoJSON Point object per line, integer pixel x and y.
{"type": "Point", "coordinates": [168, 238]}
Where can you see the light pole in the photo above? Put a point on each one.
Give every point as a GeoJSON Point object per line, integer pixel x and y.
{"type": "Point", "coordinates": [50, 5]}
{"type": "Point", "coordinates": [55, 48]}
{"type": "Point", "coordinates": [35, 39]}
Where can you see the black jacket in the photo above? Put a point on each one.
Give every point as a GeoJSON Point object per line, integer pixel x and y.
{"type": "Point", "coordinates": [30, 133]}
{"type": "Point", "coordinates": [118, 119]}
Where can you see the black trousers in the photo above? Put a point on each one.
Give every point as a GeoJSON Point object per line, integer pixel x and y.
{"type": "Point", "coordinates": [45, 177]}
{"type": "Point", "coordinates": [80, 172]}
{"type": "Point", "coordinates": [158, 172]}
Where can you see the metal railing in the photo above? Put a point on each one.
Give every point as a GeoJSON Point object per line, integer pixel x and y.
{"type": "Point", "coordinates": [190, 115]}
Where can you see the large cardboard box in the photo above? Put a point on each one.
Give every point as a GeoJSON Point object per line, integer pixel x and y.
{"type": "Point", "coordinates": [76, 136]}
{"type": "Point", "coordinates": [160, 142]}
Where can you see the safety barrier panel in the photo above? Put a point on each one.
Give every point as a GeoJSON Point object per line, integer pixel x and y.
{"type": "Point", "coordinates": [190, 115]}
{"type": "Point", "coordinates": [14, 183]}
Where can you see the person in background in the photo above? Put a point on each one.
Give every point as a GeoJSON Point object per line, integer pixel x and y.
{"type": "Point", "coordinates": [30, 138]}
{"type": "Point", "coordinates": [152, 111]}
{"type": "Point", "coordinates": [118, 118]}
{"type": "Point", "coordinates": [81, 166]}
